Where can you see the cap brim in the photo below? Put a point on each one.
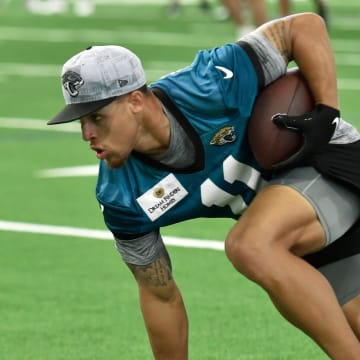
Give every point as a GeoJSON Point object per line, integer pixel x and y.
{"type": "Point", "coordinates": [73, 112]}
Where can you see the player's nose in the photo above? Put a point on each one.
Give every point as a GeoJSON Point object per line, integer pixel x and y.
{"type": "Point", "coordinates": [88, 131]}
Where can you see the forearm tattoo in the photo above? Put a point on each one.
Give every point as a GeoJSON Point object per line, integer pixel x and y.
{"type": "Point", "coordinates": [158, 273]}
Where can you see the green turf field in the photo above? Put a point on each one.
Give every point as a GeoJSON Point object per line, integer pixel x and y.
{"type": "Point", "coordinates": [64, 292]}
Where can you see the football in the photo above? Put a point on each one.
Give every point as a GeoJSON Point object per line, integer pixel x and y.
{"type": "Point", "coordinates": [289, 94]}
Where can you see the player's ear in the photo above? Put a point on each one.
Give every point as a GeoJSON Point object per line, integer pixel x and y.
{"type": "Point", "coordinates": [136, 100]}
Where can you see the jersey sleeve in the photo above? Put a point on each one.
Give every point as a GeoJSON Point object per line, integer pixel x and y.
{"type": "Point", "coordinates": [220, 81]}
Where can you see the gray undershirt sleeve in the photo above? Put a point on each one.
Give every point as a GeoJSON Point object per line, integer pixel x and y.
{"type": "Point", "coordinates": [272, 63]}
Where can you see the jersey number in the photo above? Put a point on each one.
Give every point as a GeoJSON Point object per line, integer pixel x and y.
{"type": "Point", "coordinates": [233, 170]}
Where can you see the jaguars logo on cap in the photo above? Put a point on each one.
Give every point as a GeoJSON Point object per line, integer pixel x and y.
{"type": "Point", "coordinates": [72, 82]}
{"type": "Point", "coordinates": [224, 136]}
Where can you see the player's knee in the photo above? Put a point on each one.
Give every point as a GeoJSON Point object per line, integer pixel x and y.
{"type": "Point", "coordinates": [246, 252]}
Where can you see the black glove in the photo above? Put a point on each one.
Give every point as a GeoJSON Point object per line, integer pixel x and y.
{"type": "Point", "coordinates": [317, 128]}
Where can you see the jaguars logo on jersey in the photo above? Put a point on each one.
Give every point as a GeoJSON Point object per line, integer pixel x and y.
{"type": "Point", "coordinates": [224, 136]}
{"type": "Point", "coordinates": [72, 82]}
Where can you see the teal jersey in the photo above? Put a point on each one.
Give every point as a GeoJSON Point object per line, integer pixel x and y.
{"type": "Point", "coordinates": [212, 99]}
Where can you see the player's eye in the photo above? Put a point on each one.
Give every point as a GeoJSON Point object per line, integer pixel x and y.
{"type": "Point", "coordinates": [96, 118]}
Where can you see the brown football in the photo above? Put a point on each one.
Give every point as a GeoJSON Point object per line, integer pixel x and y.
{"type": "Point", "coordinates": [289, 94]}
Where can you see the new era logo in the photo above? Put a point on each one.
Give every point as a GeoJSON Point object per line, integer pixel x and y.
{"type": "Point", "coordinates": [122, 83]}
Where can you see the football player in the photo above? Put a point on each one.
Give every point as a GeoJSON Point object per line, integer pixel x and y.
{"type": "Point", "coordinates": [178, 149]}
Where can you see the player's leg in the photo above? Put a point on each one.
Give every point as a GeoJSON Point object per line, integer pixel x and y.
{"type": "Point", "coordinates": [235, 12]}
{"type": "Point", "coordinates": [259, 11]}
{"type": "Point", "coordinates": [341, 268]}
{"type": "Point", "coordinates": [205, 5]}
{"type": "Point", "coordinates": [340, 264]}
{"type": "Point", "coordinates": [285, 7]}
{"type": "Point", "coordinates": [161, 302]}
{"type": "Point", "coordinates": [174, 7]}
{"type": "Point", "coordinates": [343, 276]}
{"type": "Point", "coordinates": [322, 10]}
{"type": "Point", "coordinates": [265, 244]}
{"type": "Point", "coordinates": [47, 7]}
{"type": "Point", "coordinates": [352, 312]}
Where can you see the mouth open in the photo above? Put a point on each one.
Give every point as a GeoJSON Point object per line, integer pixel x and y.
{"type": "Point", "coordinates": [100, 154]}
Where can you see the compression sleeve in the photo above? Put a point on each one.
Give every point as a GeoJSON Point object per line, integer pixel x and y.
{"type": "Point", "coordinates": [272, 63]}
{"type": "Point", "coordinates": [141, 250]}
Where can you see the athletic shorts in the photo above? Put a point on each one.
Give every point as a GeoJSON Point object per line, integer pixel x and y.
{"type": "Point", "coordinates": [343, 275]}
{"type": "Point", "coordinates": [338, 209]}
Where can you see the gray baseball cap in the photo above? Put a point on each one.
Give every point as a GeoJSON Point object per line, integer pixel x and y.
{"type": "Point", "coordinates": [94, 77]}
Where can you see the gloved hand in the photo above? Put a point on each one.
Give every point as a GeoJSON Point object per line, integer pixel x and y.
{"type": "Point", "coordinates": [317, 128]}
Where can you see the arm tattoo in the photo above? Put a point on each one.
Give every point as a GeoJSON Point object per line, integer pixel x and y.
{"type": "Point", "coordinates": [279, 34]}
{"type": "Point", "coordinates": [158, 273]}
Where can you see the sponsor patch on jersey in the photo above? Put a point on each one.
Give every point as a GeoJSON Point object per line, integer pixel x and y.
{"type": "Point", "coordinates": [162, 197]}
{"type": "Point", "coordinates": [224, 136]}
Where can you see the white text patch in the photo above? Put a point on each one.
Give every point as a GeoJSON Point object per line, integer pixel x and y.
{"type": "Point", "coordinates": [162, 197]}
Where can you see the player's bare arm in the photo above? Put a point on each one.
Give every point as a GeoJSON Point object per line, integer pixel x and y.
{"type": "Point", "coordinates": [278, 34]}
{"type": "Point", "coordinates": [163, 309]}
{"type": "Point", "coordinates": [294, 38]}
{"type": "Point", "coordinates": [156, 274]}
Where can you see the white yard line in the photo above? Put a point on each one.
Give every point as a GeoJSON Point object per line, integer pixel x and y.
{"type": "Point", "coordinates": [155, 70]}
{"type": "Point", "coordinates": [73, 171]}
{"type": "Point", "coordinates": [344, 4]}
{"type": "Point", "coordinates": [37, 124]}
{"type": "Point", "coordinates": [22, 227]}
{"type": "Point", "coordinates": [99, 36]}
{"type": "Point", "coordinates": [134, 36]}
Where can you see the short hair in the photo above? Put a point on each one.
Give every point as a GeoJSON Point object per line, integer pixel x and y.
{"type": "Point", "coordinates": [144, 89]}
